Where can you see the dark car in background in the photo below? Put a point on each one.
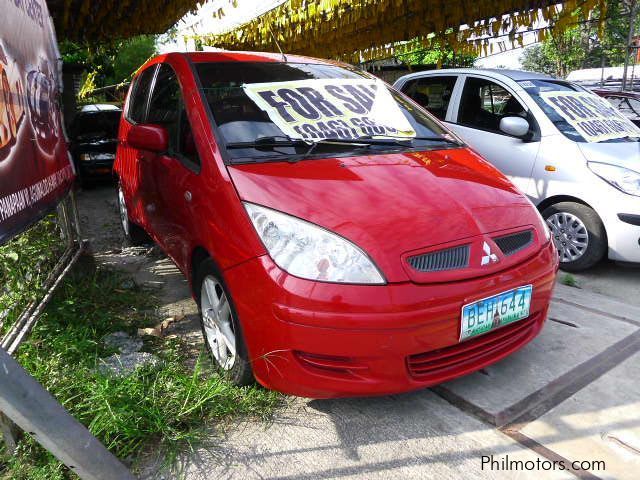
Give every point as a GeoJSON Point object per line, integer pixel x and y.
{"type": "Point", "coordinates": [94, 139]}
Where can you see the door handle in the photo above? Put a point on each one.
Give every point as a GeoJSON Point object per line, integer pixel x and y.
{"type": "Point", "coordinates": [187, 196]}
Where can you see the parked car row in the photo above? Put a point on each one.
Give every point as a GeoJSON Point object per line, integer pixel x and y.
{"type": "Point", "coordinates": [339, 240]}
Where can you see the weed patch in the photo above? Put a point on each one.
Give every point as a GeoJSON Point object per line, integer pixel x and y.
{"type": "Point", "coordinates": [167, 405]}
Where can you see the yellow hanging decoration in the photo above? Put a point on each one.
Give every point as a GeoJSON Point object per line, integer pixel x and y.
{"type": "Point", "coordinates": [353, 30]}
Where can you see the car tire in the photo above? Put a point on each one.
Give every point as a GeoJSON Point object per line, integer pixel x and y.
{"type": "Point", "coordinates": [578, 234]}
{"type": "Point", "coordinates": [220, 325]}
{"type": "Point", "coordinates": [133, 233]}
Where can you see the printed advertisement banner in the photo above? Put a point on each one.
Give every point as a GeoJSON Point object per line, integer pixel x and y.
{"type": "Point", "coordinates": [334, 108]}
{"type": "Point", "coordinates": [35, 167]}
{"type": "Point", "coordinates": [593, 117]}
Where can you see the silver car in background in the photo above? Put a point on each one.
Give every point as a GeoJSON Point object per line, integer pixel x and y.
{"type": "Point", "coordinates": [588, 192]}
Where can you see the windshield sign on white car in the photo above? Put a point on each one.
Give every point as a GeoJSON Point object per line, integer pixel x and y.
{"type": "Point", "coordinates": [593, 117]}
{"type": "Point", "coordinates": [314, 110]}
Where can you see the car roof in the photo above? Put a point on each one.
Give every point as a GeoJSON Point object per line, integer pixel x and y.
{"type": "Point", "coordinates": [516, 75]}
{"type": "Point", "coordinates": [241, 56]}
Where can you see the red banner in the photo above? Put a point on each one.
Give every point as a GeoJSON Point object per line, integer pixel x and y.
{"type": "Point", "coordinates": [35, 167]}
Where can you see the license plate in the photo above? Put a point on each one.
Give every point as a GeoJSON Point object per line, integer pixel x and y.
{"type": "Point", "coordinates": [493, 312]}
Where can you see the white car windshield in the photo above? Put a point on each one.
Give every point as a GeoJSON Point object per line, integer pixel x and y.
{"type": "Point", "coordinates": [544, 90]}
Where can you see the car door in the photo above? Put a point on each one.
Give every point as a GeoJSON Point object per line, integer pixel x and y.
{"type": "Point", "coordinates": [176, 172]}
{"type": "Point", "coordinates": [136, 178]}
{"type": "Point", "coordinates": [475, 117]}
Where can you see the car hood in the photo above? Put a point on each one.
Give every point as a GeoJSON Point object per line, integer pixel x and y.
{"type": "Point", "coordinates": [391, 204]}
{"type": "Point", "coordinates": [623, 154]}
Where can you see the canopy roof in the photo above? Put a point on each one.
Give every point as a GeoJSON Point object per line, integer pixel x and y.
{"type": "Point", "coordinates": [355, 30]}
{"type": "Point", "coordinates": [98, 21]}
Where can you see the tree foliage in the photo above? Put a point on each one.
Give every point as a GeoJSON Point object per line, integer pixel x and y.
{"type": "Point", "coordinates": [112, 63]}
{"type": "Point", "coordinates": [441, 55]}
{"type": "Point", "coordinates": [582, 46]}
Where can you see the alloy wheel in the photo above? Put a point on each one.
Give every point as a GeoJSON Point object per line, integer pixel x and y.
{"type": "Point", "coordinates": [124, 214]}
{"type": "Point", "coordinates": [569, 234]}
{"type": "Point", "coordinates": [217, 319]}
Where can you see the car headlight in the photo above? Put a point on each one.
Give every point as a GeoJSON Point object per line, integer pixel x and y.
{"type": "Point", "coordinates": [622, 178]}
{"type": "Point", "coordinates": [86, 157]}
{"type": "Point", "coordinates": [309, 251]}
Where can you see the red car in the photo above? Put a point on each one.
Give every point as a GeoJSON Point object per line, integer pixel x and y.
{"type": "Point", "coordinates": [339, 241]}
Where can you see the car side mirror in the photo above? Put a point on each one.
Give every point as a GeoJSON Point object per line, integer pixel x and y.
{"type": "Point", "coordinates": [515, 126]}
{"type": "Point", "coordinates": [153, 138]}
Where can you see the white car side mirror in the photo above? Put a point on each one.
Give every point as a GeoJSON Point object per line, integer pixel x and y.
{"type": "Point", "coordinates": [514, 126]}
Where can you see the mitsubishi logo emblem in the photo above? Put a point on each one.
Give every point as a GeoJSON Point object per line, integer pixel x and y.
{"type": "Point", "coordinates": [488, 257]}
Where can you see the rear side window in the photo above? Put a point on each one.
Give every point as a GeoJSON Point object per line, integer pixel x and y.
{"type": "Point", "coordinates": [433, 93]}
{"type": "Point", "coordinates": [167, 108]}
{"type": "Point", "coordinates": [138, 103]}
{"type": "Point", "coordinates": [484, 103]}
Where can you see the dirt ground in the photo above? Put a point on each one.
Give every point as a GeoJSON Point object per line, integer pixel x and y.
{"type": "Point", "coordinates": [148, 266]}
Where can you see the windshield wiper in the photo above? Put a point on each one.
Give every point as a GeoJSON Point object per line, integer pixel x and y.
{"type": "Point", "coordinates": [272, 142]}
{"type": "Point", "coordinates": [268, 142]}
{"type": "Point", "coordinates": [404, 140]}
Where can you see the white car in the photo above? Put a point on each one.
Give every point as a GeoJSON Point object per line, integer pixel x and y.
{"type": "Point", "coordinates": [575, 160]}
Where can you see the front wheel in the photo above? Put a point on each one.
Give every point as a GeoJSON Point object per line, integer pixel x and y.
{"type": "Point", "coordinates": [133, 233]}
{"type": "Point", "coordinates": [578, 234]}
{"type": "Point", "coordinates": [220, 326]}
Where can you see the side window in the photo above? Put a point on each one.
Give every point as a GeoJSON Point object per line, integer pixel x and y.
{"type": "Point", "coordinates": [484, 103]}
{"type": "Point", "coordinates": [139, 96]}
{"type": "Point", "coordinates": [433, 93]}
{"type": "Point", "coordinates": [167, 108]}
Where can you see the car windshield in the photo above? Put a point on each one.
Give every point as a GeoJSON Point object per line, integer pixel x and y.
{"type": "Point", "coordinates": [96, 125]}
{"type": "Point", "coordinates": [539, 89]}
{"type": "Point", "coordinates": [276, 110]}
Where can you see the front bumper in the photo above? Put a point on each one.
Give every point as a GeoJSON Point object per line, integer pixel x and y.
{"type": "Point", "coordinates": [623, 232]}
{"type": "Point", "coordinates": [96, 169]}
{"type": "Point", "coordinates": [327, 340]}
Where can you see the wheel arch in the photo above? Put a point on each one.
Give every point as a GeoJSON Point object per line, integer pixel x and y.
{"type": "Point", "coordinates": [547, 202]}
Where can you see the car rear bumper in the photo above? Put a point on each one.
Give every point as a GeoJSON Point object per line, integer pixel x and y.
{"type": "Point", "coordinates": [326, 340]}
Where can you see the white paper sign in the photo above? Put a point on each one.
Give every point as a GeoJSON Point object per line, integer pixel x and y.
{"type": "Point", "coordinates": [331, 108]}
{"type": "Point", "coordinates": [593, 117]}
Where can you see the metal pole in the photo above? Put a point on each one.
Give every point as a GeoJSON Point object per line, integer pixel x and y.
{"type": "Point", "coordinates": [34, 410]}
{"type": "Point", "coordinates": [632, 26]}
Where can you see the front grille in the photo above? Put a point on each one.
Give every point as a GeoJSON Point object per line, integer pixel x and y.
{"type": "Point", "coordinates": [514, 242]}
{"type": "Point", "coordinates": [449, 259]}
{"type": "Point", "coordinates": [476, 352]}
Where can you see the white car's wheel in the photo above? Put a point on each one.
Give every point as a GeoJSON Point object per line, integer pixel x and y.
{"type": "Point", "coordinates": [578, 234]}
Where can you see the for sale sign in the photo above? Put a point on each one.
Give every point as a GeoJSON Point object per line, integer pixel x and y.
{"type": "Point", "coordinates": [334, 108]}
{"type": "Point", "coordinates": [35, 168]}
{"type": "Point", "coordinates": [593, 117]}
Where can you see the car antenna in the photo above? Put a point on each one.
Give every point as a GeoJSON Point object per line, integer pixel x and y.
{"type": "Point", "coordinates": [284, 57]}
